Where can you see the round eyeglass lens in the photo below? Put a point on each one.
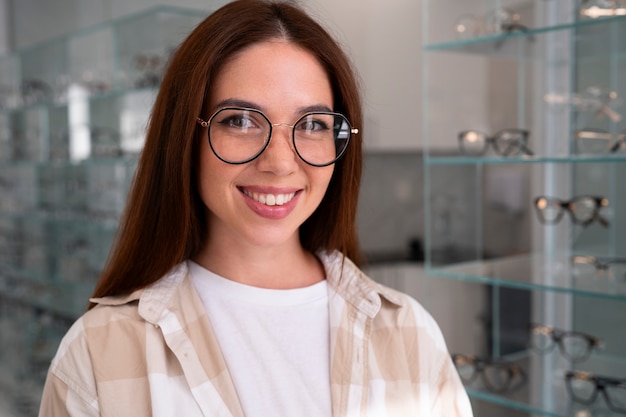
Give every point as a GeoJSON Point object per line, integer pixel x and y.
{"type": "Point", "coordinates": [498, 377]}
{"type": "Point", "coordinates": [238, 135]}
{"type": "Point", "coordinates": [575, 347]}
{"type": "Point", "coordinates": [473, 142]}
{"type": "Point", "coordinates": [321, 138]}
{"type": "Point", "coordinates": [509, 142]}
{"type": "Point", "coordinates": [583, 209]}
{"type": "Point", "coordinates": [549, 209]}
{"type": "Point", "coordinates": [583, 390]}
{"type": "Point", "coordinates": [541, 340]}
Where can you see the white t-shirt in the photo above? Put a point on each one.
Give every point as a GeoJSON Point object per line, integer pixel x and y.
{"type": "Point", "coordinates": [275, 343]}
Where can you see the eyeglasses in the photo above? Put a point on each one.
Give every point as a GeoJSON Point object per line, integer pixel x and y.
{"type": "Point", "coordinates": [575, 346]}
{"type": "Point", "coordinates": [598, 141]}
{"type": "Point", "coordinates": [507, 142]}
{"type": "Point", "coordinates": [584, 388]}
{"type": "Point", "coordinates": [238, 135]}
{"type": "Point", "coordinates": [498, 21]}
{"type": "Point", "coordinates": [583, 210]}
{"type": "Point", "coordinates": [498, 376]}
{"type": "Point", "coordinates": [588, 265]}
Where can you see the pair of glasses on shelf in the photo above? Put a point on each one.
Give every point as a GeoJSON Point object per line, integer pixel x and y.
{"type": "Point", "coordinates": [499, 20]}
{"type": "Point", "coordinates": [506, 142]}
{"type": "Point", "coordinates": [575, 346]}
{"type": "Point", "coordinates": [599, 141]}
{"type": "Point", "coordinates": [584, 388]}
{"type": "Point", "coordinates": [497, 376]}
{"type": "Point", "coordinates": [583, 210]}
{"type": "Point", "coordinates": [591, 265]}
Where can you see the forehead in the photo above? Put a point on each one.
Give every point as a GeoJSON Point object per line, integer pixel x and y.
{"type": "Point", "coordinates": [274, 73]}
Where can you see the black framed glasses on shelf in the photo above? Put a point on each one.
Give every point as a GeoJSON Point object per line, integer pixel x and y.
{"type": "Point", "coordinates": [583, 209]}
{"type": "Point", "coordinates": [592, 265]}
{"type": "Point", "coordinates": [238, 135]}
{"type": "Point", "coordinates": [506, 142]}
{"type": "Point", "coordinates": [599, 141]}
{"type": "Point", "coordinates": [575, 346]}
{"type": "Point", "coordinates": [497, 376]}
{"type": "Point", "coordinates": [584, 388]}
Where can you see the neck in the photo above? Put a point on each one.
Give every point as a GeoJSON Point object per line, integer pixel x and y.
{"type": "Point", "coordinates": [287, 267]}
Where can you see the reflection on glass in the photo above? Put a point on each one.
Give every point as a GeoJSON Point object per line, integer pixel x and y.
{"type": "Point", "coordinates": [591, 265]}
{"type": "Point", "coordinates": [584, 388]}
{"type": "Point", "coordinates": [497, 376]}
{"type": "Point", "coordinates": [582, 209]}
{"type": "Point", "coordinates": [602, 8]}
{"type": "Point", "coordinates": [575, 346]}
{"type": "Point", "coordinates": [599, 141]}
{"type": "Point", "coordinates": [507, 142]}
{"type": "Point", "coordinates": [499, 20]}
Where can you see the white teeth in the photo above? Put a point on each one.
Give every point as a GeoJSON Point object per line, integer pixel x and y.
{"type": "Point", "coordinates": [270, 199]}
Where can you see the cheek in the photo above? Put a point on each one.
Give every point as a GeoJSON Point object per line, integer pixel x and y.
{"type": "Point", "coordinates": [321, 178]}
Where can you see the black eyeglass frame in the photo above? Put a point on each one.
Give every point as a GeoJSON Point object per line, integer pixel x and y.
{"type": "Point", "coordinates": [207, 123]}
{"type": "Point", "coordinates": [566, 205]}
{"type": "Point", "coordinates": [600, 384]}
{"type": "Point", "coordinates": [493, 141]}
{"type": "Point", "coordinates": [558, 336]}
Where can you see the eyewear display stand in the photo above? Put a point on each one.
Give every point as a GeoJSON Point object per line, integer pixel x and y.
{"type": "Point", "coordinates": [550, 69]}
{"type": "Point", "coordinates": [73, 113]}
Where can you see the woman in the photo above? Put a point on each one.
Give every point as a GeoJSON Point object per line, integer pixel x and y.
{"type": "Point", "coordinates": [232, 289]}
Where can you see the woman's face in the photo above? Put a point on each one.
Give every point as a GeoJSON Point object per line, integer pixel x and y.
{"type": "Point", "coordinates": [263, 202]}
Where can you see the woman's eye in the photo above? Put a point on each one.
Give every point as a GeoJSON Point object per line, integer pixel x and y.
{"type": "Point", "coordinates": [239, 122]}
{"type": "Point", "coordinates": [312, 125]}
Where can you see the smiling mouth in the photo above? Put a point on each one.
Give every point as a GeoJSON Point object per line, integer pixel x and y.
{"type": "Point", "coordinates": [270, 199]}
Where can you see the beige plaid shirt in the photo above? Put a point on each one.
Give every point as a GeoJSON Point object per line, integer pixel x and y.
{"type": "Point", "coordinates": [153, 353]}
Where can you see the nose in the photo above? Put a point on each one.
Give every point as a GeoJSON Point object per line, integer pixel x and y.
{"type": "Point", "coordinates": [280, 156]}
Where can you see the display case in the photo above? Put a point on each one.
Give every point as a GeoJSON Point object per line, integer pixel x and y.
{"type": "Point", "coordinates": [73, 114]}
{"type": "Point", "coordinates": [525, 160]}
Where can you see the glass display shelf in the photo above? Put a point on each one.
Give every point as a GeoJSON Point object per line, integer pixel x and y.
{"type": "Point", "coordinates": [531, 393]}
{"type": "Point", "coordinates": [538, 272]}
{"type": "Point", "coordinates": [617, 157]}
{"type": "Point", "coordinates": [117, 92]}
{"type": "Point", "coordinates": [517, 43]}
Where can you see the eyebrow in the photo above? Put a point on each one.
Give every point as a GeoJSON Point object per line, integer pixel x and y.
{"type": "Point", "coordinates": [233, 102]}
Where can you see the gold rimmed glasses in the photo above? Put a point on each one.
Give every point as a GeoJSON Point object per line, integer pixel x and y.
{"type": "Point", "coordinates": [238, 135]}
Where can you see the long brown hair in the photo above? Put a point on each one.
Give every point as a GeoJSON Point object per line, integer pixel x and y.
{"type": "Point", "coordinates": [165, 222]}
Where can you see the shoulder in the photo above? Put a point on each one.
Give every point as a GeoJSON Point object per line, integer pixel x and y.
{"type": "Point", "coordinates": [390, 309]}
